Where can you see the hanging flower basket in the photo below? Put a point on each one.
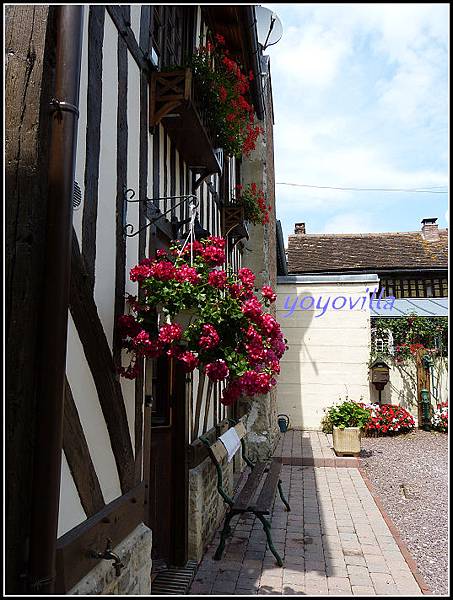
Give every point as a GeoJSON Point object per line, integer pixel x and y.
{"type": "Point", "coordinates": [215, 321]}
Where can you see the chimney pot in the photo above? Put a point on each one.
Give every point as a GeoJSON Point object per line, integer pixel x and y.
{"type": "Point", "coordinates": [299, 228]}
{"type": "Point", "coordinates": [430, 229]}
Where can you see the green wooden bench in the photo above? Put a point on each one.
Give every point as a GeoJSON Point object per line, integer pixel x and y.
{"type": "Point", "coordinates": [265, 473]}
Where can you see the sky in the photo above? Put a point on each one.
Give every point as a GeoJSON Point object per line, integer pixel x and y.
{"type": "Point", "coordinates": [361, 100]}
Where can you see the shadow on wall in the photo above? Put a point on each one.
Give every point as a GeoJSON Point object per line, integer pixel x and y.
{"type": "Point", "coordinates": [295, 323]}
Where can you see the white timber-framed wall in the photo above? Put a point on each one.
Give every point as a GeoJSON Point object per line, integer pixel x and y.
{"type": "Point", "coordinates": [121, 105]}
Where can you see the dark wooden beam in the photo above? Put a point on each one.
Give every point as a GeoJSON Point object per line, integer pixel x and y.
{"type": "Point", "coordinates": [121, 186]}
{"type": "Point", "coordinates": [118, 16]}
{"type": "Point", "coordinates": [180, 470]}
{"type": "Point", "coordinates": [29, 69]}
{"type": "Point", "coordinates": [100, 360]}
{"type": "Point", "coordinates": [93, 136]}
{"type": "Point", "coordinates": [79, 459]}
{"type": "Point", "coordinates": [142, 190]}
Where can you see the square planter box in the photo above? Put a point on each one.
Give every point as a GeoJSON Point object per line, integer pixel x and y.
{"type": "Point", "coordinates": [346, 441]}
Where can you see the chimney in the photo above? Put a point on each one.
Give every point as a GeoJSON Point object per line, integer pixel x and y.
{"type": "Point", "coordinates": [430, 230]}
{"type": "Point", "coordinates": [299, 228]}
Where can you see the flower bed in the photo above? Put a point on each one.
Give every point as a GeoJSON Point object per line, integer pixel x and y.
{"type": "Point", "coordinates": [439, 420]}
{"type": "Point", "coordinates": [388, 419]}
{"type": "Point", "coordinates": [231, 337]}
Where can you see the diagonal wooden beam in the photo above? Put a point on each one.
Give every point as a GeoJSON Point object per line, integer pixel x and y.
{"type": "Point", "coordinates": [100, 361]}
{"type": "Point", "coordinates": [78, 456]}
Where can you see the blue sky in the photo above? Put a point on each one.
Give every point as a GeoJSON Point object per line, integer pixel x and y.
{"type": "Point", "coordinates": [361, 100]}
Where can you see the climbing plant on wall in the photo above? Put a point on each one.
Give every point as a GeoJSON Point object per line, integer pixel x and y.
{"type": "Point", "coordinates": [410, 334]}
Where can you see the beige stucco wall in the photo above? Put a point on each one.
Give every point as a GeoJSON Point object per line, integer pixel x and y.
{"type": "Point", "coordinates": [328, 354]}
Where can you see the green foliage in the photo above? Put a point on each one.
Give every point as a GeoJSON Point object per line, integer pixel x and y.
{"type": "Point", "coordinates": [326, 424]}
{"type": "Point", "coordinates": [346, 414]}
{"type": "Point", "coordinates": [411, 333]}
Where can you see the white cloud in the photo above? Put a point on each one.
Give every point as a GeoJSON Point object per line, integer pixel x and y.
{"type": "Point", "coordinates": [311, 56]}
{"type": "Point", "coordinates": [360, 100]}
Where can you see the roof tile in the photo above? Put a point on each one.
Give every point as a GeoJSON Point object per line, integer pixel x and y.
{"type": "Point", "coordinates": [311, 253]}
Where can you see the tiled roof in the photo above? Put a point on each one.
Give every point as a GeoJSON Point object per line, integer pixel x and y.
{"type": "Point", "coordinates": [312, 253]}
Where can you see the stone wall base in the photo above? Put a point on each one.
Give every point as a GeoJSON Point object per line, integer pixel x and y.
{"type": "Point", "coordinates": [260, 419]}
{"type": "Point", "coordinates": [135, 578]}
{"type": "Point", "coordinates": [206, 506]}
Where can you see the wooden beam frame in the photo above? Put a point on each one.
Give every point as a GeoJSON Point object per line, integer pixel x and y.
{"type": "Point", "coordinates": [79, 459]}
{"type": "Point", "coordinates": [100, 360]}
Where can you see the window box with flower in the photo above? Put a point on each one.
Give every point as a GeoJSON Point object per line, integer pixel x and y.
{"type": "Point", "coordinates": [204, 106]}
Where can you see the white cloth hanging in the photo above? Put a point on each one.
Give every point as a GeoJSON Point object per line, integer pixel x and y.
{"type": "Point", "coordinates": [231, 441]}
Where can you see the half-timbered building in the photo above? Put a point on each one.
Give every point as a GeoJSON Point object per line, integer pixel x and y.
{"type": "Point", "coordinates": [106, 145]}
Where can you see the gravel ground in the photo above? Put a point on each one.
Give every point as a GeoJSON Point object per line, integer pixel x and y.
{"type": "Point", "coordinates": [410, 474]}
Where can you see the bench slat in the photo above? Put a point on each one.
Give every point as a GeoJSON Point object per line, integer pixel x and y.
{"type": "Point", "coordinates": [267, 494]}
{"type": "Point", "coordinates": [243, 500]}
{"type": "Point", "coordinates": [219, 451]}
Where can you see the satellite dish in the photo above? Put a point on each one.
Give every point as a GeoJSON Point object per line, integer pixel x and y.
{"type": "Point", "coordinates": [269, 27]}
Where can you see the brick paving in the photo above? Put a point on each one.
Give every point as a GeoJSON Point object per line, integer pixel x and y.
{"type": "Point", "coordinates": [333, 542]}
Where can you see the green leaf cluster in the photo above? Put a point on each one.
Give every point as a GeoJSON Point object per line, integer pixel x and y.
{"type": "Point", "coordinates": [347, 414]}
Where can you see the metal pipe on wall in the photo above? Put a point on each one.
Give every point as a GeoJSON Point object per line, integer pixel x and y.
{"type": "Point", "coordinates": [55, 300]}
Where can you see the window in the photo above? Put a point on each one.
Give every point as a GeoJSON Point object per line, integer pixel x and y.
{"type": "Point", "coordinates": [382, 343]}
{"type": "Point", "coordinates": [171, 34]}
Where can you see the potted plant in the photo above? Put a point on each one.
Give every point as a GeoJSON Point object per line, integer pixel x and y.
{"type": "Point", "coordinates": [347, 420]}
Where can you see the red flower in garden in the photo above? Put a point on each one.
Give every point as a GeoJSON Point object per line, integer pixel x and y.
{"type": "Point", "coordinates": [226, 88]}
{"type": "Point", "coordinates": [140, 272]}
{"type": "Point", "coordinates": [252, 308]}
{"type": "Point", "coordinates": [145, 346]}
{"type": "Point", "coordinates": [223, 94]}
{"type": "Point", "coordinates": [127, 326]}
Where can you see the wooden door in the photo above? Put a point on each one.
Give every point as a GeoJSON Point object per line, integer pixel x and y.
{"type": "Point", "coordinates": [168, 469]}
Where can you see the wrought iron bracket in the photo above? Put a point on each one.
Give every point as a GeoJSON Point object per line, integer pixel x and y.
{"type": "Point", "coordinates": [178, 224]}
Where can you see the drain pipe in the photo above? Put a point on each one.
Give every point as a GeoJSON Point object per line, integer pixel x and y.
{"type": "Point", "coordinates": [55, 301]}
